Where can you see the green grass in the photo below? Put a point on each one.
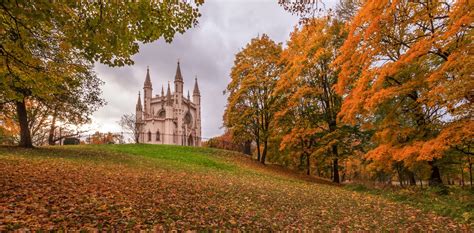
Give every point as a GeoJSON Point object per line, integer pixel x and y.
{"type": "Point", "coordinates": [177, 157]}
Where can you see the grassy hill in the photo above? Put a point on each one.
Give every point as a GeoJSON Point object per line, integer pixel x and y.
{"type": "Point", "coordinates": [171, 187]}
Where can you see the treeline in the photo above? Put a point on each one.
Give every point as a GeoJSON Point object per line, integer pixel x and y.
{"type": "Point", "coordinates": [375, 90]}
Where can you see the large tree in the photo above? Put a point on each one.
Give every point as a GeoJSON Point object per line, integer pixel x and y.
{"type": "Point", "coordinates": [46, 45]}
{"type": "Point", "coordinates": [309, 104]}
{"type": "Point", "coordinates": [407, 73]}
{"type": "Point", "coordinates": [251, 103]}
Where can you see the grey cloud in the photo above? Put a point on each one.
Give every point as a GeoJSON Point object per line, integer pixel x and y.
{"type": "Point", "coordinates": [206, 51]}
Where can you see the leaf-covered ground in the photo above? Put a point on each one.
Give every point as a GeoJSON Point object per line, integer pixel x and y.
{"type": "Point", "coordinates": [124, 187]}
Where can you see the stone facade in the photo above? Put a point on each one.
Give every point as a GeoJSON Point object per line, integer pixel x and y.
{"type": "Point", "coordinates": [171, 118]}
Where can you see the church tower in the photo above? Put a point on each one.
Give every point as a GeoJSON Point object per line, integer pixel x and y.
{"type": "Point", "coordinates": [138, 114]}
{"type": "Point", "coordinates": [197, 102]}
{"type": "Point", "coordinates": [178, 101]}
{"type": "Point", "coordinates": [147, 93]}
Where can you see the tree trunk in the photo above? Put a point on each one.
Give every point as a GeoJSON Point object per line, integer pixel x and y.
{"type": "Point", "coordinates": [400, 178]}
{"type": "Point", "coordinates": [258, 149]}
{"type": "Point", "coordinates": [332, 128]}
{"type": "Point", "coordinates": [264, 154]}
{"type": "Point", "coordinates": [308, 163]}
{"type": "Point", "coordinates": [248, 147]}
{"type": "Point", "coordinates": [470, 172]}
{"type": "Point", "coordinates": [462, 175]}
{"type": "Point", "coordinates": [51, 141]}
{"type": "Point", "coordinates": [336, 171]}
{"type": "Point", "coordinates": [25, 135]}
{"type": "Point", "coordinates": [435, 177]}
{"type": "Point", "coordinates": [411, 177]}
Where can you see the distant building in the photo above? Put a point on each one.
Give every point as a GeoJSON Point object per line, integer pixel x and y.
{"type": "Point", "coordinates": [171, 118]}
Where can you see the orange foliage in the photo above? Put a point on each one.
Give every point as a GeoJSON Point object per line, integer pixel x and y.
{"type": "Point", "coordinates": [407, 68]}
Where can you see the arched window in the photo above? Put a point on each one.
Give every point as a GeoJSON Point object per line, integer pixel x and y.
{"type": "Point", "coordinates": [188, 119]}
{"type": "Point", "coordinates": [158, 136]}
{"type": "Point", "coordinates": [162, 113]}
{"type": "Point", "coordinates": [149, 136]}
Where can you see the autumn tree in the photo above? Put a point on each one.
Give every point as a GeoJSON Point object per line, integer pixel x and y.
{"type": "Point", "coordinates": [251, 103]}
{"type": "Point", "coordinates": [104, 138]}
{"type": "Point", "coordinates": [46, 45]}
{"type": "Point", "coordinates": [309, 104]}
{"type": "Point", "coordinates": [407, 73]}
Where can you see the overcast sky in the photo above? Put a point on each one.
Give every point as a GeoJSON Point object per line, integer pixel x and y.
{"type": "Point", "coordinates": [207, 51]}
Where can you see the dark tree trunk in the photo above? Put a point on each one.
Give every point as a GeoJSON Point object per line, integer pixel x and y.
{"type": "Point", "coordinates": [462, 176]}
{"type": "Point", "coordinates": [25, 135]}
{"type": "Point", "coordinates": [51, 130]}
{"type": "Point", "coordinates": [435, 177]}
{"type": "Point", "coordinates": [470, 172]}
{"type": "Point", "coordinates": [331, 168]}
{"type": "Point", "coordinates": [247, 147]}
{"type": "Point", "coordinates": [258, 149]}
{"type": "Point", "coordinates": [400, 177]}
{"type": "Point", "coordinates": [308, 164]}
{"type": "Point", "coordinates": [411, 177]}
{"type": "Point", "coordinates": [335, 178]}
{"type": "Point", "coordinates": [264, 154]}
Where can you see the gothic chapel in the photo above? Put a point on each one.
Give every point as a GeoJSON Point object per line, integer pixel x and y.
{"type": "Point", "coordinates": [171, 118]}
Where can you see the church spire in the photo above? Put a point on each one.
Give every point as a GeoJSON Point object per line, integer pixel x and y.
{"type": "Point", "coordinates": [196, 91]}
{"type": "Point", "coordinates": [139, 103]}
{"type": "Point", "coordinates": [188, 95]}
{"type": "Point", "coordinates": [178, 77]}
{"type": "Point", "coordinates": [147, 79]}
{"type": "Point", "coordinates": [162, 91]}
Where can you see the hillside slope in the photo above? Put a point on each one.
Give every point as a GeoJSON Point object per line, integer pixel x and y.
{"type": "Point", "coordinates": [170, 187]}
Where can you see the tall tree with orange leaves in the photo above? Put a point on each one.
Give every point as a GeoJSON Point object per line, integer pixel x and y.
{"type": "Point", "coordinates": [309, 104]}
{"type": "Point", "coordinates": [251, 103]}
{"type": "Point", "coordinates": [407, 73]}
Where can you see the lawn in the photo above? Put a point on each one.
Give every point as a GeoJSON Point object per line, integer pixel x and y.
{"type": "Point", "coordinates": [160, 187]}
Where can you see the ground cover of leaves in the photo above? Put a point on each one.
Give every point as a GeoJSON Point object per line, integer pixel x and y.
{"type": "Point", "coordinates": [131, 187]}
